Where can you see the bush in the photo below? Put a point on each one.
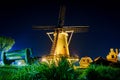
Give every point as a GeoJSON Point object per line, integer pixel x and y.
{"type": "Point", "coordinates": [62, 71]}
{"type": "Point", "coordinates": [100, 73]}
{"type": "Point", "coordinates": [6, 72]}
{"type": "Point", "coordinates": [43, 71]}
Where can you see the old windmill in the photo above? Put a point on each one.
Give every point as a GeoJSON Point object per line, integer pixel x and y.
{"type": "Point", "coordinates": [60, 41]}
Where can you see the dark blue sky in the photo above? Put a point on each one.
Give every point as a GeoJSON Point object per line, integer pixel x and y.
{"type": "Point", "coordinates": [16, 21]}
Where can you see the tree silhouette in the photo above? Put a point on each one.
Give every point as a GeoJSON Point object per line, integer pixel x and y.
{"type": "Point", "coordinates": [6, 44]}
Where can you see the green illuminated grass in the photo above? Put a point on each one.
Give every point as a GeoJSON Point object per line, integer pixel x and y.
{"type": "Point", "coordinates": [100, 73]}
{"type": "Point", "coordinates": [64, 71]}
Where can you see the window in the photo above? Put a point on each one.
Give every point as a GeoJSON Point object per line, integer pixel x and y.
{"type": "Point", "coordinates": [83, 60]}
{"type": "Point", "coordinates": [88, 61]}
{"type": "Point", "coordinates": [112, 56]}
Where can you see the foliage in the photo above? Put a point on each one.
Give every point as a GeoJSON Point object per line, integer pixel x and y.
{"type": "Point", "coordinates": [62, 71]}
{"type": "Point", "coordinates": [100, 72]}
{"type": "Point", "coordinates": [44, 71]}
{"type": "Point", "coordinates": [6, 72]}
{"type": "Point", "coordinates": [6, 43]}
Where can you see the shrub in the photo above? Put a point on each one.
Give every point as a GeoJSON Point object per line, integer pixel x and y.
{"type": "Point", "coordinates": [43, 71]}
{"type": "Point", "coordinates": [100, 73]}
{"type": "Point", "coordinates": [62, 71]}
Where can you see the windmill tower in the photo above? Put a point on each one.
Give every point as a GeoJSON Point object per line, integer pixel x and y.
{"type": "Point", "coordinates": [60, 42]}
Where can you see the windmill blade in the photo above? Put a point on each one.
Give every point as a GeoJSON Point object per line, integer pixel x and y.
{"type": "Point", "coordinates": [61, 16]}
{"type": "Point", "coordinates": [43, 27]}
{"type": "Point", "coordinates": [62, 12]}
{"type": "Point", "coordinates": [76, 28]}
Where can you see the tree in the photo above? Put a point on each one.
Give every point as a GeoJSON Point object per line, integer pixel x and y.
{"type": "Point", "coordinates": [6, 44]}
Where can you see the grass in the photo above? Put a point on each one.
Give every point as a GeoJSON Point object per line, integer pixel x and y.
{"type": "Point", "coordinates": [62, 71]}
{"type": "Point", "coordinates": [100, 72]}
{"type": "Point", "coordinates": [6, 72]}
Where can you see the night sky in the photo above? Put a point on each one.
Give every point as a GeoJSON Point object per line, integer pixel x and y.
{"type": "Point", "coordinates": [103, 19]}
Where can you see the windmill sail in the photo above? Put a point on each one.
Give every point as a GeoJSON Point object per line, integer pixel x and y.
{"type": "Point", "coordinates": [60, 45]}
{"type": "Point", "coordinates": [61, 16]}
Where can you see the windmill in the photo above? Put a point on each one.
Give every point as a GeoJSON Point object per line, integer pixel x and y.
{"type": "Point", "coordinates": [60, 41]}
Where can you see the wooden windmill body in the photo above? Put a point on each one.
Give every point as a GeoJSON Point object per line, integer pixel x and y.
{"type": "Point", "coordinates": [62, 35]}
